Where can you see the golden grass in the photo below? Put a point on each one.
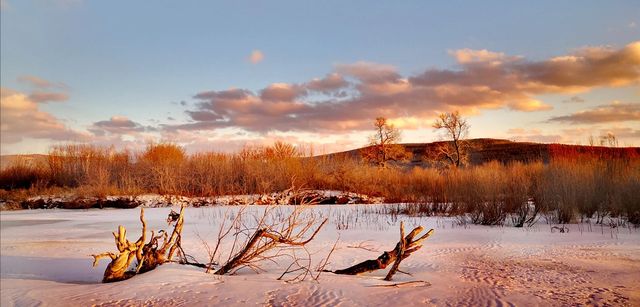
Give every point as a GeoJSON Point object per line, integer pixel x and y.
{"type": "Point", "coordinates": [565, 189]}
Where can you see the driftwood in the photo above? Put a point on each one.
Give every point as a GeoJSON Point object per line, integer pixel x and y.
{"type": "Point", "coordinates": [276, 234]}
{"type": "Point", "coordinates": [265, 239]}
{"type": "Point", "coordinates": [148, 256]}
{"type": "Point", "coordinates": [155, 254]}
{"type": "Point", "coordinates": [405, 247]}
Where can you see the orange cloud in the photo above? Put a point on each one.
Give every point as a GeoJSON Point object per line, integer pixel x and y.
{"type": "Point", "coordinates": [614, 112]}
{"type": "Point", "coordinates": [529, 105]}
{"type": "Point", "coordinates": [465, 56]}
{"type": "Point", "coordinates": [21, 118]}
{"type": "Point", "coordinates": [349, 97]}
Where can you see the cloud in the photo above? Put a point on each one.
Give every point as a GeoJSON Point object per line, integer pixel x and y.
{"type": "Point", "coordinates": [40, 83]}
{"type": "Point", "coordinates": [119, 125]}
{"type": "Point", "coordinates": [466, 56]}
{"type": "Point", "coordinates": [614, 112]}
{"type": "Point", "coordinates": [529, 105]}
{"type": "Point", "coordinates": [41, 97]}
{"type": "Point", "coordinates": [21, 118]}
{"type": "Point", "coordinates": [45, 90]}
{"type": "Point", "coordinates": [351, 95]}
{"type": "Point", "coordinates": [370, 73]}
{"type": "Point", "coordinates": [256, 56]}
{"type": "Point", "coordinates": [574, 99]}
{"type": "Point", "coordinates": [232, 140]}
{"type": "Point", "coordinates": [281, 92]}
{"type": "Point", "coordinates": [588, 67]}
{"type": "Point", "coordinates": [328, 84]}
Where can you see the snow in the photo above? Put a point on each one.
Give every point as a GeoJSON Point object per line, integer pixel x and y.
{"type": "Point", "coordinates": [45, 260]}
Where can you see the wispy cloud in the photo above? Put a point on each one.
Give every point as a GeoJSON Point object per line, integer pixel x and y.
{"type": "Point", "coordinates": [41, 83]}
{"type": "Point", "coordinates": [611, 113]}
{"type": "Point", "coordinates": [574, 99]}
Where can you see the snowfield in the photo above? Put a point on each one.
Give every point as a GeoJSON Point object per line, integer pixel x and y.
{"type": "Point", "coordinates": [45, 261]}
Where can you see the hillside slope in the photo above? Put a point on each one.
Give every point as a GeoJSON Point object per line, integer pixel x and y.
{"type": "Point", "coordinates": [505, 151]}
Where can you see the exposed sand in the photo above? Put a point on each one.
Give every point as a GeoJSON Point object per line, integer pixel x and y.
{"type": "Point", "coordinates": [45, 261]}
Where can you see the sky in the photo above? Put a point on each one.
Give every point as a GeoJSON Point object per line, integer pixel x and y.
{"type": "Point", "coordinates": [217, 76]}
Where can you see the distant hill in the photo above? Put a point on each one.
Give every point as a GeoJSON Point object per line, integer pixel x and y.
{"type": "Point", "coordinates": [505, 151]}
{"type": "Point", "coordinates": [8, 160]}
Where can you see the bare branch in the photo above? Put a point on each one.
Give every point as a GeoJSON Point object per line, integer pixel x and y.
{"type": "Point", "coordinates": [405, 247]}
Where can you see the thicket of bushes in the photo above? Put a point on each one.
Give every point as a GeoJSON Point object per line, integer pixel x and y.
{"type": "Point", "coordinates": [490, 194]}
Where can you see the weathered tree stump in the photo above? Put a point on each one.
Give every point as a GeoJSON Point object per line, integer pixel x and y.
{"type": "Point", "coordinates": [405, 247]}
{"type": "Point", "coordinates": [148, 256]}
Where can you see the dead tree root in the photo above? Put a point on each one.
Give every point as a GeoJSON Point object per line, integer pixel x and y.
{"type": "Point", "coordinates": [148, 256]}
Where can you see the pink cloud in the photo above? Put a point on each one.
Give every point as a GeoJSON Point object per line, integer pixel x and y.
{"type": "Point", "coordinates": [256, 56]}
{"type": "Point", "coordinates": [22, 118]}
{"type": "Point", "coordinates": [355, 93]}
{"type": "Point", "coordinates": [614, 112]}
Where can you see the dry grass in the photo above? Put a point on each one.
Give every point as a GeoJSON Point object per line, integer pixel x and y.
{"type": "Point", "coordinates": [567, 188]}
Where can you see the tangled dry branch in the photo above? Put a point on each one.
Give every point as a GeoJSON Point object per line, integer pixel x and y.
{"type": "Point", "coordinates": [269, 235]}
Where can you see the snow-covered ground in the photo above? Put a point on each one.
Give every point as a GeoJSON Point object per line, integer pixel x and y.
{"type": "Point", "coordinates": [45, 260]}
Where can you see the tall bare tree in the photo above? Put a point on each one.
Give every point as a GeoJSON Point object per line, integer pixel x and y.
{"type": "Point", "coordinates": [383, 145]}
{"type": "Point", "coordinates": [455, 129]}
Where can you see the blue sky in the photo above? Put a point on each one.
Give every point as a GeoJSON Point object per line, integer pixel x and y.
{"type": "Point", "coordinates": [136, 61]}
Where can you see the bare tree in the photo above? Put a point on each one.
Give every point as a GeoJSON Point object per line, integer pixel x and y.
{"type": "Point", "coordinates": [383, 145]}
{"type": "Point", "coordinates": [609, 140]}
{"type": "Point", "coordinates": [455, 129]}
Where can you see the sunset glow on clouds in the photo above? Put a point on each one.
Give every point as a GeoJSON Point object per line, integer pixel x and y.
{"type": "Point", "coordinates": [347, 98]}
{"type": "Point", "coordinates": [559, 95]}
